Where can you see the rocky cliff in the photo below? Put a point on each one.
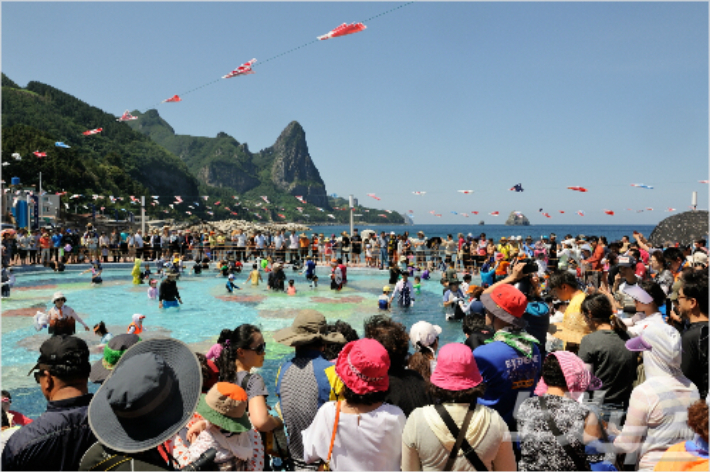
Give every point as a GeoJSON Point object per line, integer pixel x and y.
{"type": "Point", "coordinates": [684, 228]}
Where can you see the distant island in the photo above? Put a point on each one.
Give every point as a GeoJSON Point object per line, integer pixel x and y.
{"type": "Point", "coordinates": [517, 219]}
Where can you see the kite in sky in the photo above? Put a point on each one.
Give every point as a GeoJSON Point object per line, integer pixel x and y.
{"type": "Point", "coordinates": [438, 215]}
{"type": "Point", "coordinates": [433, 212]}
{"type": "Point", "coordinates": [465, 191]}
{"type": "Point", "coordinates": [388, 211]}
{"type": "Point", "coordinates": [580, 213]}
{"type": "Point", "coordinates": [178, 199]}
{"type": "Point", "coordinates": [383, 216]}
{"type": "Point", "coordinates": [464, 214]}
{"type": "Point", "coordinates": [280, 215]}
{"type": "Point", "coordinates": [343, 30]}
{"type": "Point", "coordinates": [701, 181]}
{"type": "Point", "coordinates": [518, 188]}
{"type": "Point", "coordinates": [331, 216]}
{"type": "Point", "coordinates": [127, 117]}
{"type": "Point", "coordinates": [671, 209]}
{"type": "Point", "coordinates": [319, 209]}
{"type": "Point", "coordinates": [475, 212]}
{"type": "Point", "coordinates": [454, 213]}
{"type": "Point", "coordinates": [650, 187]}
{"type": "Point", "coordinates": [16, 156]}
{"type": "Point", "coordinates": [265, 198]}
{"type": "Point", "coordinates": [189, 212]}
{"type": "Point", "coordinates": [649, 209]}
{"type": "Point", "coordinates": [609, 212]}
{"type": "Point", "coordinates": [300, 199]}
{"type": "Point", "coordinates": [372, 195]}
{"type": "Point", "coordinates": [494, 213]}
{"type": "Point", "coordinates": [75, 196]}
{"type": "Point", "coordinates": [40, 154]}
{"type": "Point", "coordinates": [546, 215]}
{"type": "Point", "coordinates": [418, 193]}
{"type": "Point", "coordinates": [578, 189]}
{"type": "Point", "coordinates": [244, 69]}
{"type": "Point", "coordinates": [300, 209]}
{"type": "Point", "coordinates": [5, 164]}
{"type": "Point", "coordinates": [92, 131]}
{"type": "Point", "coordinates": [217, 203]}
{"type": "Point", "coordinates": [174, 98]}
{"type": "Point", "coordinates": [561, 211]}
{"type": "Point", "coordinates": [61, 145]}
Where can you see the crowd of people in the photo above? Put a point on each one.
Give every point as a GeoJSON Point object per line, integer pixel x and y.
{"type": "Point", "coordinates": [575, 355]}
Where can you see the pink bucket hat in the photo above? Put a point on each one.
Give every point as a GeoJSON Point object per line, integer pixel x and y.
{"type": "Point", "coordinates": [362, 365]}
{"type": "Point", "coordinates": [456, 369]}
{"type": "Point", "coordinates": [577, 377]}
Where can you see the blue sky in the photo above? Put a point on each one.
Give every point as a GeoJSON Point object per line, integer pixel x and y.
{"type": "Point", "coordinates": [433, 97]}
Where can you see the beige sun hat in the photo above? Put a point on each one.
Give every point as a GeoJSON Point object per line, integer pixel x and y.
{"type": "Point", "coordinates": [308, 326]}
{"type": "Point", "coordinates": [572, 329]}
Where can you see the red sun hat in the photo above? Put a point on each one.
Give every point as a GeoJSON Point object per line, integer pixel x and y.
{"type": "Point", "coordinates": [362, 366]}
{"type": "Point", "coordinates": [507, 303]}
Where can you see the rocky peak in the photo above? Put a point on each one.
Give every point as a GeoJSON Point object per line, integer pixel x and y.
{"type": "Point", "coordinates": [293, 170]}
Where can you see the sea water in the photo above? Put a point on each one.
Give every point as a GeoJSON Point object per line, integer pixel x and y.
{"type": "Point", "coordinates": [208, 308]}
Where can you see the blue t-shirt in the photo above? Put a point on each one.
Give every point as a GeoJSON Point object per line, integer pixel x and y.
{"type": "Point", "coordinates": [57, 240]}
{"type": "Point", "coordinates": [310, 268]}
{"type": "Point", "coordinates": [507, 374]}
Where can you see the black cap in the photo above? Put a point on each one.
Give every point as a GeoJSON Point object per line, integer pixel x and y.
{"type": "Point", "coordinates": [626, 261]}
{"type": "Point", "coordinates": [64, 356]}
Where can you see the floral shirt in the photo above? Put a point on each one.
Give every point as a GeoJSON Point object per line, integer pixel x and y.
{"type": "Point", "coordinates": [539, 448]}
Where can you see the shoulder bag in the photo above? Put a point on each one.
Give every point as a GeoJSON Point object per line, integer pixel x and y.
{"type": "Point", "coordinates": [326, 465]}
{"type": "Point", "coordinates": [579, 462]}
{"type": "Point", "coordinates": [460, 435]}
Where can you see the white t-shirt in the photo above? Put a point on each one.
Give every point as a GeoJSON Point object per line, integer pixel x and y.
{"type": "Point", "coordinates": [371, 441]}
{"type": "Point", "coordinates": [294, 241]}
{"type": "Point", "coordinates": [278, 242]}
{"type": "Point", "coordinates": [241, 240]}
{"type": "Point", "coordinates": [138, 240]}
{"type": "Point", "coordinates": [259, 240]}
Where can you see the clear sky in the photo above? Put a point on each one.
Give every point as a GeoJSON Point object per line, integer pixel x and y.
{"type": "Point", "coordinates": [434, 97]}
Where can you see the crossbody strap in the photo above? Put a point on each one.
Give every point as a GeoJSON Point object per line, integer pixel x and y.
{"type": "Point", "coordinates": [579, 462]}
{"type": "Point", "coordinates": [335, 430]}
{"type": "Point", "coordinates": [460, 434]}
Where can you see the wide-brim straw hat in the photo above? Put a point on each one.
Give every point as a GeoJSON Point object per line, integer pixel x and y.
{"type": "Point", "coordinates": [309, 326]}
{"type": "Point", "coordinates": [572, 329]}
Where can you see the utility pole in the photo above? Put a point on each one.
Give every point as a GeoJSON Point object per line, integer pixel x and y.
{"type": "Point", "coordinates": [351, 214]}
{"type": "Point", "coordinates": [143, 215]}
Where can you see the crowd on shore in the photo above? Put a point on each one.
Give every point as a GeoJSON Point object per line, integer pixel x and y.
{"type": "Point", "coordinates": [579, 354]}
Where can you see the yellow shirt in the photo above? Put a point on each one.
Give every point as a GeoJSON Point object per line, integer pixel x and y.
{"type": "Point", "coordinates": [254, 277]}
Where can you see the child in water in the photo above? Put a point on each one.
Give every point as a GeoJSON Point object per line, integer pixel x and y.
{"type": "Point", "coordinates": [384, 301]}
{"type": "Point", "coordinates": [153, 289]}
{"type": "Point", "coordinates": [291, 288]}
{"type": "Point", "coordinates": [95, 272]}
{"type": "Point", "coordinates": [230, 284]}
{"type": "Point", "coordinates": [417, 285]}
{"type": "Point", "coordinates": [255, 276]}
{"type": "Point", "coordinates": [314, 282]}
{"type": "Point", "coordinates": [146, 272]}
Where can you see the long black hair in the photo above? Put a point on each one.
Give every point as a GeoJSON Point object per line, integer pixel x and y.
{"type": "Point", "coordinates": [224, 336]}
{"type": "Point", "coordinates": [241, 337]}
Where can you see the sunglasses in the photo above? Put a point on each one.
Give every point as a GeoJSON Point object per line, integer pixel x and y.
{"type": "Point", "coordinates": [260, 349]}
{"type": "Point", "coordinates": [38, 375]}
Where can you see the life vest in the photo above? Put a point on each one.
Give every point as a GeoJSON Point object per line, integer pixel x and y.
{"type": "Point", "coordinates": [138, 331]}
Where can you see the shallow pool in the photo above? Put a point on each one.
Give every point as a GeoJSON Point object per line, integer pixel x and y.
{"type": "Point", "coordinates": [208, 308]}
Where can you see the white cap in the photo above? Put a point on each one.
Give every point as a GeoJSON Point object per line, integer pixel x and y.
{"type": "Point", "coordinates": [698, 258]}
{"type": "Point", "coordinates": [518, 238]}
{"type": "Point", "coordinates": [424, 333]}
{"type": "Point", "coordinates": [231, 276]}
{"type": "Point", "coordinates": [586, 247]}
{"type": "Point", "coordinates": [392, 233]}
{"type": "Point", "coordinates": [637, 293]}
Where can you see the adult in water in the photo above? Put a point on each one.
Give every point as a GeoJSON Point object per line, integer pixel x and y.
{"type": "Point", "coordinates": [168, 295]}
{"type": "Point", "coordinates": [62, 318]}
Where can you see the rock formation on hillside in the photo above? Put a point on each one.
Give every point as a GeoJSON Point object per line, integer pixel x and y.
{"type": "Point", "coordinates": [683, 228]}
{"type": "Point", "coordinates": [517, 219]}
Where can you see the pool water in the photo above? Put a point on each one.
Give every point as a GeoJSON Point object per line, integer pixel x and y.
{"type": "Point", "coordinates": [208, 308]}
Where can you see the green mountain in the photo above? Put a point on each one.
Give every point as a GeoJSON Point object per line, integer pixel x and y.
{"type": "Point", "coordinates": [146, 157]}
{"type": "Point", "coordinates": [280, 172]}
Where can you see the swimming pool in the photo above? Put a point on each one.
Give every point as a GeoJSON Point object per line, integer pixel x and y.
{"type": "Point", "coordinates": [208, 308]}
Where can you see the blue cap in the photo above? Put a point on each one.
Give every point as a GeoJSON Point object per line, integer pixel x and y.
{"type": "Point", "coordinates": [477, 308]}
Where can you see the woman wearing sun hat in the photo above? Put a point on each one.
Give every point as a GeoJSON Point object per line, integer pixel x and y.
{"type": "Point", "coordinates": [429, 444]}
{"type": "Point", "coordinates": [658, 408]}
{"type": "Point", "coordinates": [62, 317]}
{"type": "Point", "coordinates": [360, 432]}
{"type": "Point", "coordinates": [564, 380]}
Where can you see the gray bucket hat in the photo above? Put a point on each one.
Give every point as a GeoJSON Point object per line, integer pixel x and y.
{"type": "Point", "coordinates": [151, 395]}
{"type": "Point", "coordinates": [308, 326]}
{"type": "Point", "coordinates": [113, 351]}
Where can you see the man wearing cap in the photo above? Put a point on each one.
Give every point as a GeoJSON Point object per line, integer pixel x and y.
{"type": "Point", "coordinates": [511, 364]}
{"type": "Point", "coordinates": [453, 300]}
{"type": "Point", "coordinates": [302, 385]}
{"type": "Point", "coordinates": [564, 287]}
{"type": "Point", "coordinates": [625, 277]}
{"type": "Point", "coordinates": [59, 437]}
{"type": "Point", "coordinates": [356, 241]}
